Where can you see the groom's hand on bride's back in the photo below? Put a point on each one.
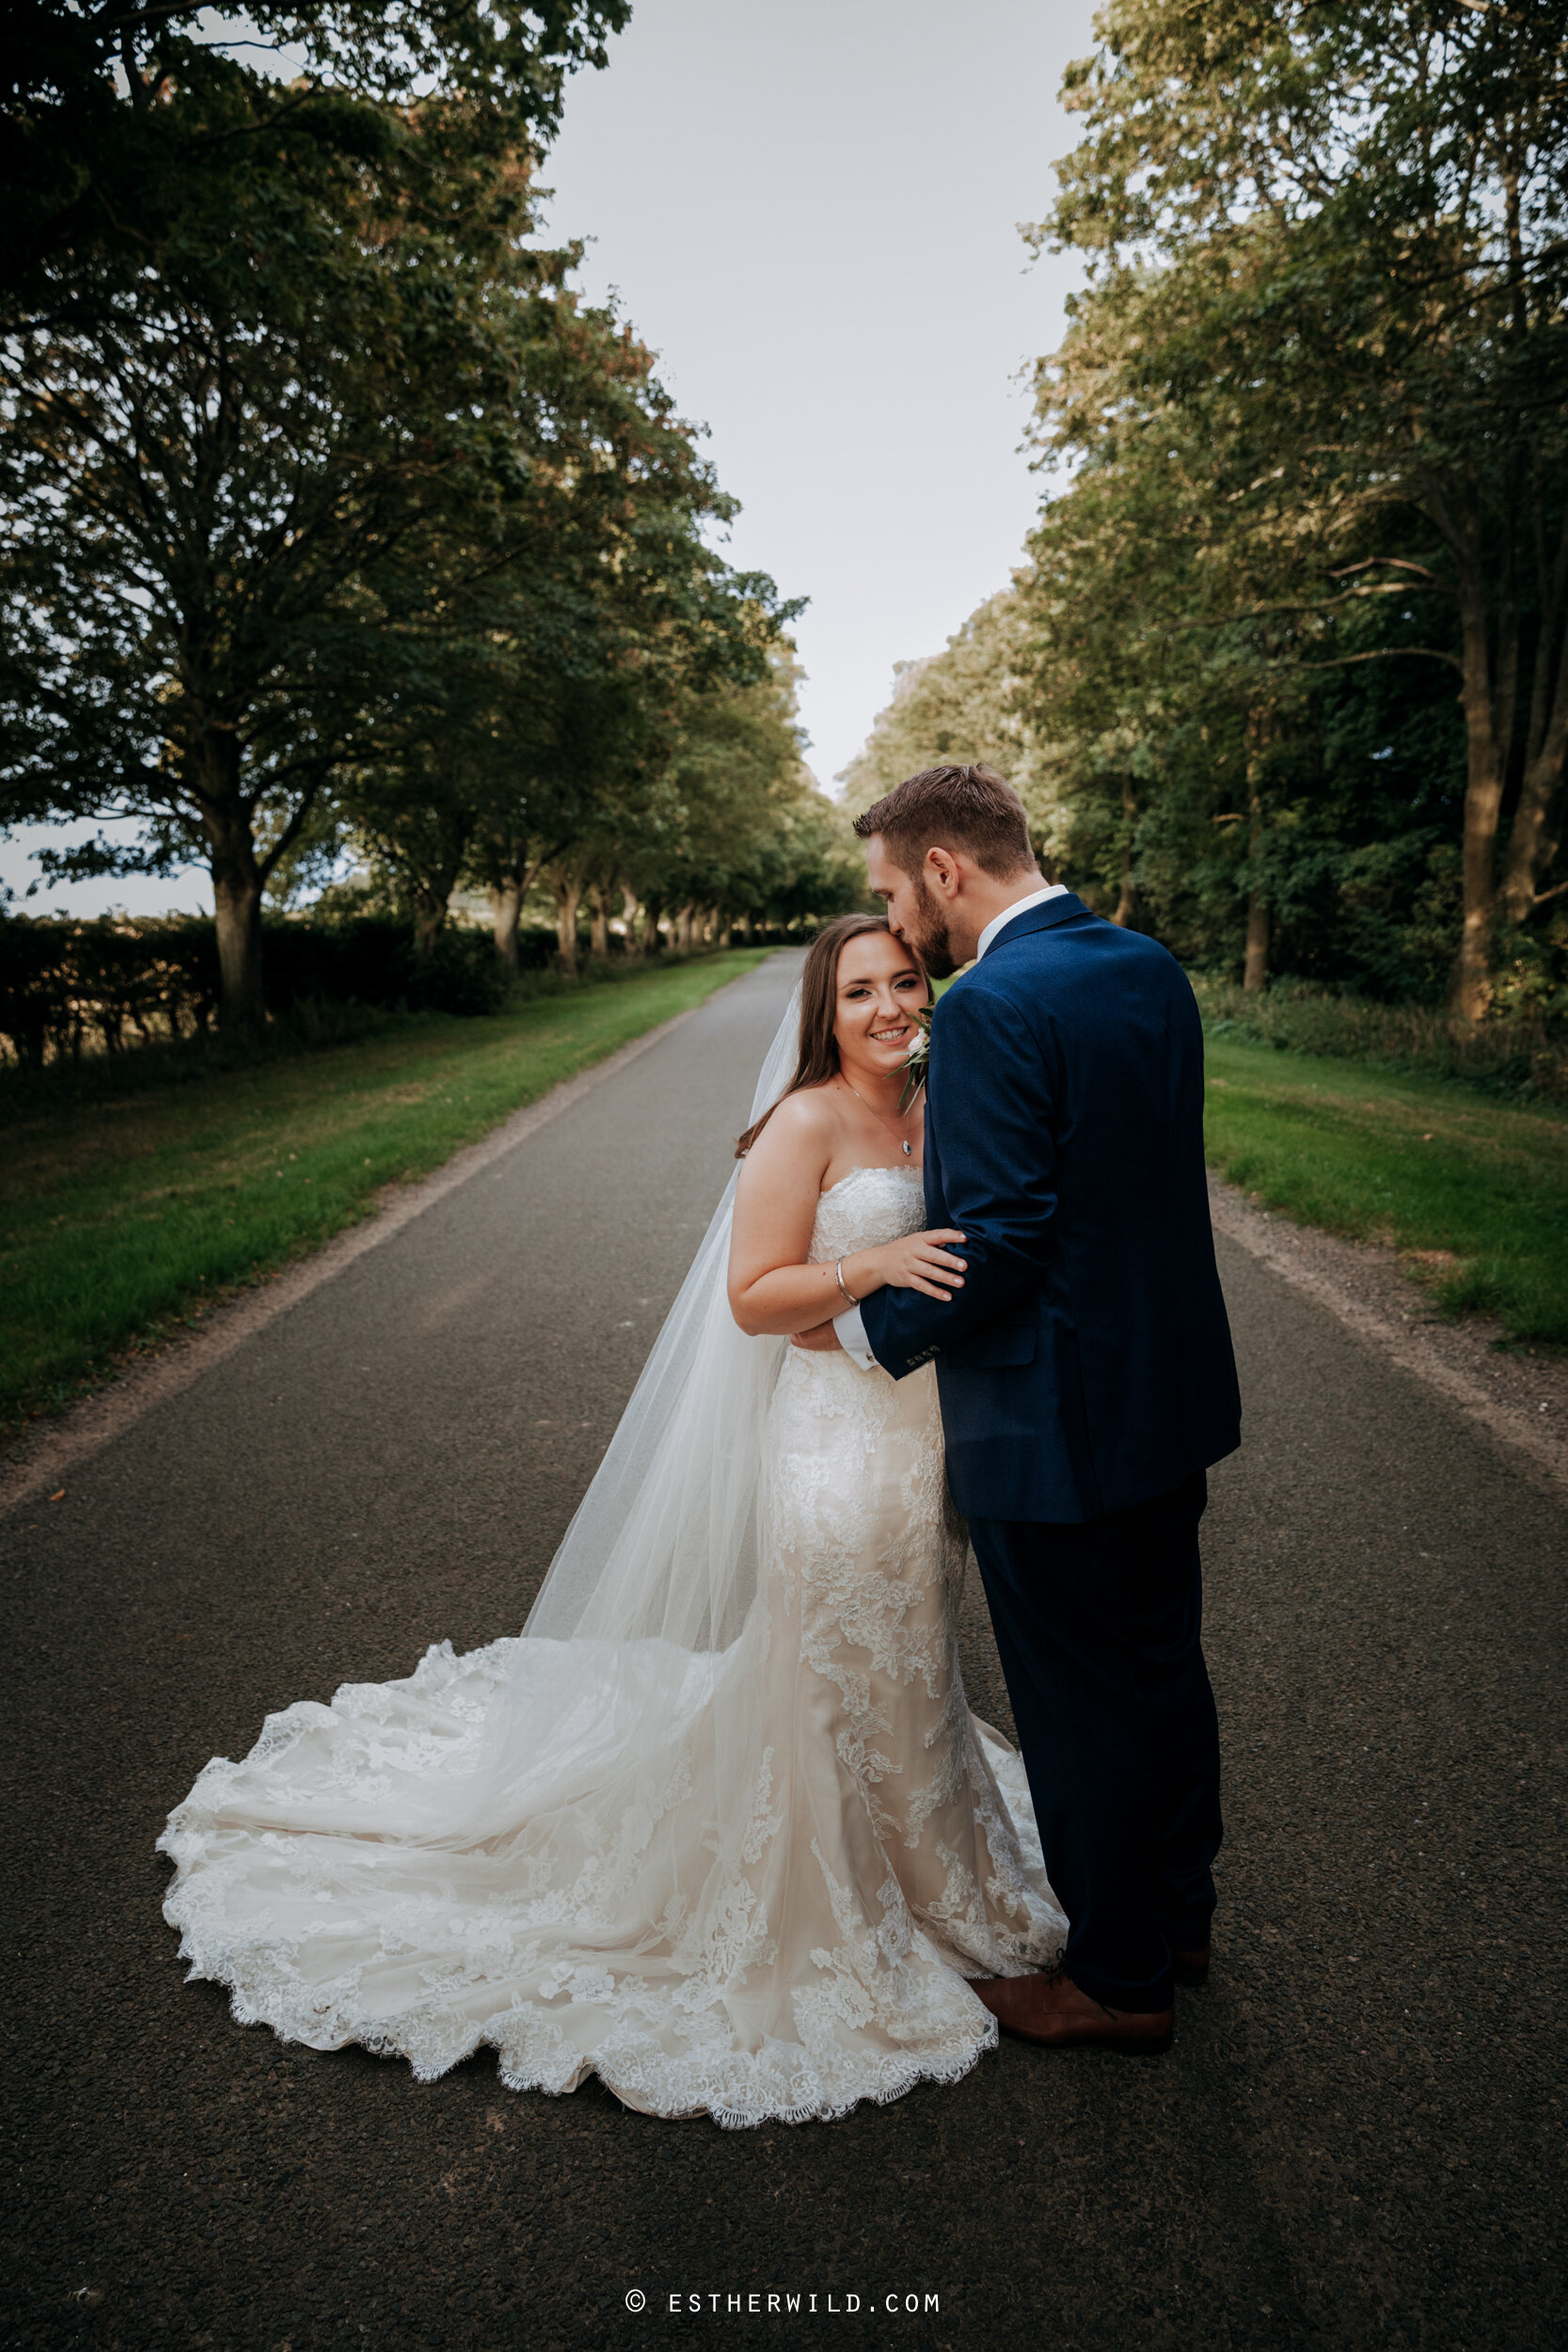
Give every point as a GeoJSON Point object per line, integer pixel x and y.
{"type": "Point", "coordinates": [823, 1336]}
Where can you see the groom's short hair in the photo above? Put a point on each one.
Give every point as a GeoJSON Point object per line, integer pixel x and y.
{"type": "Point", "coordinates": [973, 809]}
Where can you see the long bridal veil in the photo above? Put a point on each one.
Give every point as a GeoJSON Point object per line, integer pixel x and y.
{"type": "Point", "coordinates": [664, 1545]}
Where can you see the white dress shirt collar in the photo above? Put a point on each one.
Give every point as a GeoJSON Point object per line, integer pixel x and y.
{"type": "Point", "coordinates": [1020, 906]}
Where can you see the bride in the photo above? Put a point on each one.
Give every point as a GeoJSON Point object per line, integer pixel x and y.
{"type": "Point", "coordinates": [719, 1825]}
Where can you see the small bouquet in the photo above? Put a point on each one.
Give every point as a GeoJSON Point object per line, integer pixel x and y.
{"type": "Point", "coordinates": [918, 1058]}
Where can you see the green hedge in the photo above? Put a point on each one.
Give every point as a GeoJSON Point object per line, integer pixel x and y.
{"type": "Point", "coordinates": [1521, 1055]}
{"type": "Point", "coordinates": [105, 987]}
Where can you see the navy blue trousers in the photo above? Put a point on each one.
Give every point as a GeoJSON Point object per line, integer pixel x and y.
{"type": "Point", "coordinates": [1099, 1627]}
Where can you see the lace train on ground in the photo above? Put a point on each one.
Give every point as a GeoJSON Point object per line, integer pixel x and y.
{"type": "Point", "coordinates": [744, 1883]}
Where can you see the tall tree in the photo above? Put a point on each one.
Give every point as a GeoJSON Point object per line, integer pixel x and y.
{"type": "Point", "coordinates": [592, 607]}
{"type": "Point", "coordinates": [211, 467]}
{"type": "Point", "coordinates": [737, 829]}
{"type": "Point", "coordinates": [960, 704]}
{"type": "Point", "coordinates": [1359, 211]}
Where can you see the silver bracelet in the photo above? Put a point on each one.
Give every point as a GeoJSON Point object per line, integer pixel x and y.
{"type": "Point", "coordinates": [838, 1277]}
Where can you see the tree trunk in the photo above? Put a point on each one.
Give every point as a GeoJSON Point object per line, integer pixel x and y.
{"type": "Point", "coordinates": [1530, 840]}
{"type": "Point", "coordinates": [629, 915]}
{"type": "Point", "coordinates": [506, 907]}
{"type": "Point", "coordinates": [1470, 991]}
{"type": "Point", "coordinates": [1254, 970]}
{"type": "Point", "coordinates": [651, 913]}
{"type": "Point", "coordinates": [598, 929]}
{"type": "Point", "coordinates": [1127, 900]}
{"type": "Point", "coordinates": [430, 915]}
{"type": "Point", "coordinates": [1255, 973]}
{"type": "Point", "coordinates": [683, 930]}
{"type": "Point", "coordinates": [237, 901]}
{"type": "Point", "coordinates": [568, 898]}
{"type": "Point", "coordinates": [237, 881]}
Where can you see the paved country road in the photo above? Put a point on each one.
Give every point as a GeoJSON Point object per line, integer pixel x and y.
{"type": "Point", "coordinates": [1357, 2138]}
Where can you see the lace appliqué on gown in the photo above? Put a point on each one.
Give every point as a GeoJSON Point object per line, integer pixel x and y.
{"type": "Point", "coordinates": [451, 1860]}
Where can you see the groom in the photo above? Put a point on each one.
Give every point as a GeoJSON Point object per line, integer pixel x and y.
{"type": "Point", "coordinates": [1085, 1374]}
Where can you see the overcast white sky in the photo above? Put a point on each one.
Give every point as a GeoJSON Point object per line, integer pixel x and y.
{"type": "Point", "coordinates": [811, 212]}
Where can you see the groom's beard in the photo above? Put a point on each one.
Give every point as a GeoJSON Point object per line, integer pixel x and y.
{"type": "Point", "coordinates": [932, 945]}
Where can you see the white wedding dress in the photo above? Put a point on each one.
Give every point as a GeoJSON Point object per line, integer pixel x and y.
{"type": "Point", "coordinates": [744, 1879]}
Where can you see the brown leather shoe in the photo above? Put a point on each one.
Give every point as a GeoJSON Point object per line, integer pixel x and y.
{"type": "Point", "coordinates": [1190, 1968]}
{"type": "Point", "coordinates": [1049, 2007]}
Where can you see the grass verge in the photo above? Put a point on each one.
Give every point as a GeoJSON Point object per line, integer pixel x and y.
{"type": "Point", "coordinates": [1472, 1191]}
{"type": "Point", "coordinates": [126, 1218]}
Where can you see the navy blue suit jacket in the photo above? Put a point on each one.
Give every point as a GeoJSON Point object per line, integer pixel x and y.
{"type": "Point", "coordinates": [1085, 1365]}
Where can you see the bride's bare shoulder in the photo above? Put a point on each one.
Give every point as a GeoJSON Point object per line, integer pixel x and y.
{"type": "Point", "coordinates": [808, 1113]}
{"type": "Point", "coordinates": [801, 1135]}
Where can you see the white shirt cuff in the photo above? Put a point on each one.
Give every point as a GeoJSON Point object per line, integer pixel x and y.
{"type": "Point", "coordinates": [853, 1339]}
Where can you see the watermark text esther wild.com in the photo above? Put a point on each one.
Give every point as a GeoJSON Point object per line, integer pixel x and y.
{"type": "Point", "coordinates": [784, 2302]}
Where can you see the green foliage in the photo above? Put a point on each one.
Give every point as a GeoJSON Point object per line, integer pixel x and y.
{"type": "Point", "coordinates": [737, 826]}
{"type": "Point", "coordinates": [111, 116]}
{"type": "Point", "coordinates": [103, 985]}
{"type": "Point", "coordinates": [961, 704]}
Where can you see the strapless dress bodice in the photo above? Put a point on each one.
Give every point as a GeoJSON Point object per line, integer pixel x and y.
{"type": "Point", "coordinates": [867, 1207]}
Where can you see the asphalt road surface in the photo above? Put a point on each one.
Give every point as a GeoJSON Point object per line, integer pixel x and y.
{"type": "Point", "coordinates": [1355, 2140]}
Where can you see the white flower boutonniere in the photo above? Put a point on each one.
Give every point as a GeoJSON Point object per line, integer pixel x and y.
{"type": "Point", "coordinates": [917, 1060]}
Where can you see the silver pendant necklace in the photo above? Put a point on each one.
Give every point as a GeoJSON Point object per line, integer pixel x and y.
{"type": "Point", "coordinates": [907, 1146]}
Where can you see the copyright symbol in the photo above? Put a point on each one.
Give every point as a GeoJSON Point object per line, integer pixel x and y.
{"type": "Point", "coordinates": [636, 2300]}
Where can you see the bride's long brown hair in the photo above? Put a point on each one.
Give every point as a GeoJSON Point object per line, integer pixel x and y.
{"type": "Point", "coordinates": [819, 1061]}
